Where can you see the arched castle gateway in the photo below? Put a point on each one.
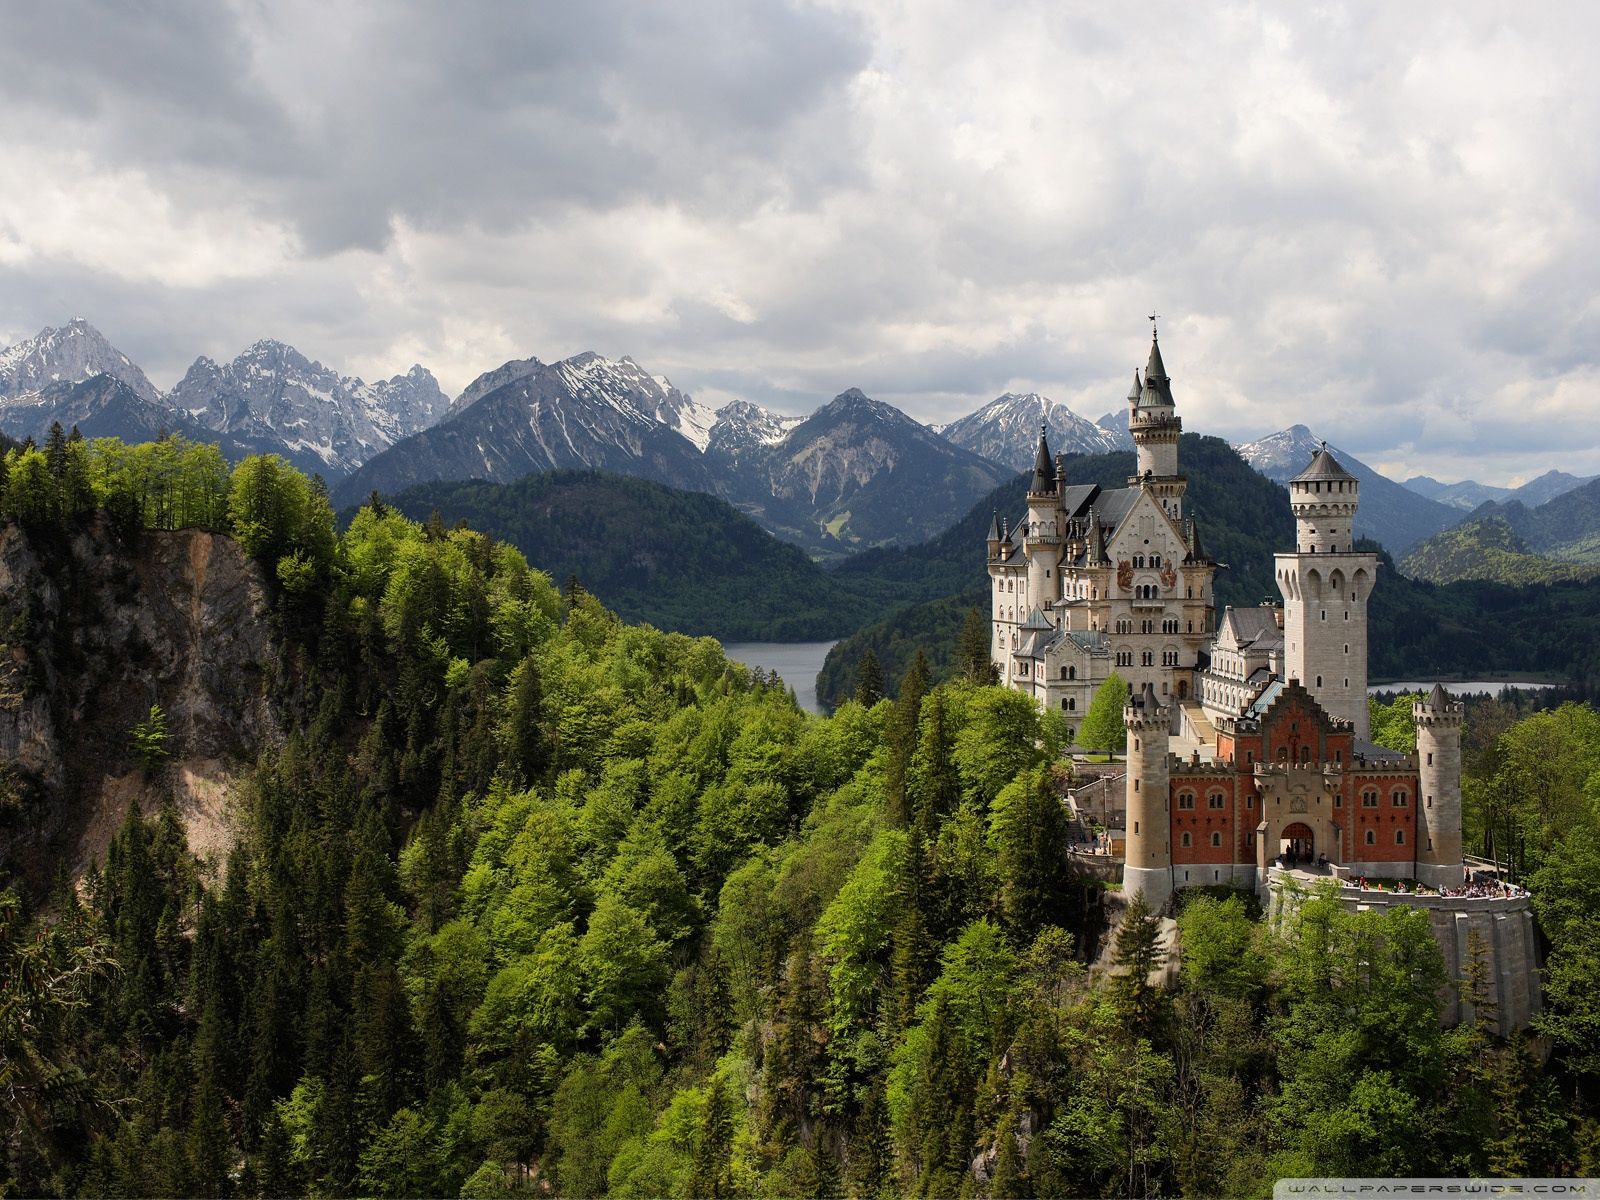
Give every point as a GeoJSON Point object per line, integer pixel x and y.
{"type": "Point", "coordinates": [1247, 751]}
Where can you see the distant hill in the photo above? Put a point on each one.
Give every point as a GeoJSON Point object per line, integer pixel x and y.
{"type": "Point", "coordinates": [1389, 513]}
{"type": "Point", "coordinates": [1566, 527]}
{"type": "Point", "coordinates": [679, 560]}
{"type": "Point", "coordinates": [1487, 548]}
{"type": "Point", "coordinates": [1469, 495]}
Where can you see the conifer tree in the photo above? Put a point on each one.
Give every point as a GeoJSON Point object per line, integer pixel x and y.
{"type": "Point", "coordinates": [943, 1103]}
{"type": "Point", "coordinates": [711, 1170]}
{"type": "Point", "coordinates": [902, 740]}
{"type": "Point", "coordinates": [869, 680]}
{"type": "Point", "coordinates": [972, 661]}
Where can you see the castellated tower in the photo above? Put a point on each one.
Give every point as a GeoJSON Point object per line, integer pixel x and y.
{"type": "Point", "coordinates": [1147, 863]}
{"type": "Point", "coordinates": [1325, 586]}
{"type": "Point", "coordinates": [1438, 720]}
{"type": "Point", "coordinates": [1154, 423]}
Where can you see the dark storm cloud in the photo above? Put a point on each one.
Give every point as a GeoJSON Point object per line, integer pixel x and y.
{"type": "Point", "coordinates": [343, 118]}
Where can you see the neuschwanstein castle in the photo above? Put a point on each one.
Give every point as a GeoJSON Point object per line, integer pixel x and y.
{"type": "Point", "coordinates": [1247, 732]}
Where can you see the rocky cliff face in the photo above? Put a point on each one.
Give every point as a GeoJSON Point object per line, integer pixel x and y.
{"type": "Point", "coordinates": [93, 634]}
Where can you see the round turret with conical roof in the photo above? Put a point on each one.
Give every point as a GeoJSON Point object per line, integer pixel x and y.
{"type": "Point", "coordinates": [1324, 498]}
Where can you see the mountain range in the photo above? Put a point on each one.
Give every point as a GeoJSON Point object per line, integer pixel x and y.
{"type": "Point", "coordinates": [1469, 494]}
{"type": "Point", "coordinates": [1515, 542]}
{"type": "Point", "coordinates": [856, 473]}
{"type": "Point", "coordinates": [269, 399]}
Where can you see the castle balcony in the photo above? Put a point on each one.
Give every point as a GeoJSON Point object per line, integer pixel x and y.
{"type": "Point", "coordinates": [1148, 602]}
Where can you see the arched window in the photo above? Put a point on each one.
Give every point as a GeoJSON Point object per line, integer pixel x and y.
{"type": "Point", "coordinates": [1372, 837]}
{"type": "Point", "coordinates": [1399, 837]}
{"type": "Point", "coordinates": [1187, 839]}
{"type": "Point", "coordinates": [1072, 672]}
{"type": "Point", "coordinates": [1399, 799]}
{"type": "Point", "coordinates": [1216, 837]}
{"type": "Point", "coordinates": [1216, 800]}
{"type": "Point", "coordinates": [1185, 800]}
{"type": "Point", "coordinates": [1072, 704]}
{"type": "Point", "coordinates": [1369, 799]}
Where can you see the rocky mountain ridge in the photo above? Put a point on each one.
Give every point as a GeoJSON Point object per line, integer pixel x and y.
{"type": "Point", "coordinates": [74, 352]}
{"type": "Point", "coordinates": [271, 390]}
{"type": "Point", "coordinates": [1006, 430]}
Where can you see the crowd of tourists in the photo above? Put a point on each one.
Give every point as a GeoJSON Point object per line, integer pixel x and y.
{"type": "Point", "coordinates": [1478, 886]}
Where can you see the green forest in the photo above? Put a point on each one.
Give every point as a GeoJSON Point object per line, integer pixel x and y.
{"type": "Point", "coordinates": [532, 901]}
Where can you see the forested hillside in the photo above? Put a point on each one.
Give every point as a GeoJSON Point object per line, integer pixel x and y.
{"type": "Point", "coordinates": [530, 901]}
{"type": "Point", "coordinates": [679, 560]}
{"type": "Point", "coordinates": [1487, 548]}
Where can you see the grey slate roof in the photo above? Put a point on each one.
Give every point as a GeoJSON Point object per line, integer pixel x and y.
{"type": "Point", "coordinates": [1253, 628]}
{"type": "Point", "coordinates": [1044, 470]}
{"type": "Point", "coordinates": [1323, 466]}
{"type": "Point", "coordinates": [1157, 387]}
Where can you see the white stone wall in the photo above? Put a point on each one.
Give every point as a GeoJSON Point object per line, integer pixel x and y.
{"type": "Point", "coordinates": [1325, 629]}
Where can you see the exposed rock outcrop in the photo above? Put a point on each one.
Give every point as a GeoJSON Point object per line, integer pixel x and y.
{"type": "Point", "coordinates": [93, 631]}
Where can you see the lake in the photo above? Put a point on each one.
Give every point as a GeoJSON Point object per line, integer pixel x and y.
{"type": "Point", "coordinates": [796, 662]}
{"type": "Point", "coordinates": [1470, 687]}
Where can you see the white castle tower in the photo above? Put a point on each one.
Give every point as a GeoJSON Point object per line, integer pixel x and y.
{"type": "Point", "coordinates": [1147, 861]}
{"type": "Point", "coordinates": [1325, 586]}
{"type": "Point", "coordinates": [1438, 720]}
{"type": "Point", "coordinates": [1155, 426]}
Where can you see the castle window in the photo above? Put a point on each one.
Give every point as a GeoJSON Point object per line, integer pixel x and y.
{"type": "Point", "coordinates": [1430, 758]}
{"type": "Point", "coordinates": [1187, 839]}
{"type": "Point", "coordinates": [1063, 672]}
{"type": "Point", "coordinates": [1072, 672]}
{"type": "Point", "coordinates": [1185, 800]}
{"type": "Point", "coordinates": [1372, 837]}
{"type": "Point", "coordinates": [1319, 680]}
{"type": "Point", "coordinates": [1136, 824]}
{"type": "Point", "coordinates": [1430, 801]}
{"type": "Point", "coordinates": [1216, 800]}
{"type": "Point", "coordinates": [1399, 800]}
{"type": "Point", "coordinates": [1369, 799]}
{"type": "Point", "coordinates": [1399, 837]}
{"type": "Point", "coordinates": [1216, 838]}
{"type": "Point", "coordinates": [1072, 704]}
{"type": "Point", "coordinates": [1064, 705]}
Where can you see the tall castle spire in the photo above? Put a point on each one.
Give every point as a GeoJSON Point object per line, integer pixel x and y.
{"type": "Point", "coordinates": [1153, 422]}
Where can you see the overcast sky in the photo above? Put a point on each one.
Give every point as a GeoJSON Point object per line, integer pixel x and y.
{"type": "Point", "coordinates": [1380, 220]}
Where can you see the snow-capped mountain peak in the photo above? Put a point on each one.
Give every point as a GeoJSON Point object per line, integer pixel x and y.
{"type": "Point", "coordinates": [1281, 455]}
{"type": "Point", "coordinates": [69, 354]}
{"type": "Point", "coordinates": [272, 391]}
{"type": "Point", "coordinates": [1006, 430]}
